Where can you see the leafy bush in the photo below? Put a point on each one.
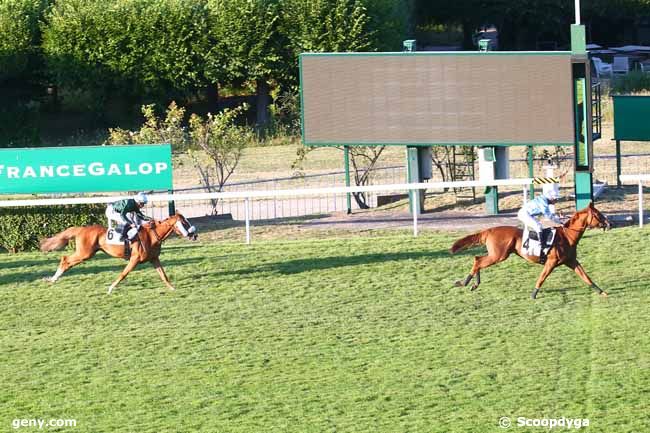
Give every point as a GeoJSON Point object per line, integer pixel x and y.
{"type": "Point", "coordinates": [21, 228]}
{"type": "Point", "coordinates": [169, 130]}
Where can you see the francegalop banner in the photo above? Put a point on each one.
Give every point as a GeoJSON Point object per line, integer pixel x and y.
{"type": "Point", "coordinates": [85, 169]}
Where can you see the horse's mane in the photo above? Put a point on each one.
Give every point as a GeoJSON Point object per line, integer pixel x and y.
{"type": "Point", "coordinates": [575, 216]}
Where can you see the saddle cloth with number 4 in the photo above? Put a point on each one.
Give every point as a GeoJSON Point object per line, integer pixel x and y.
{"type": "Point", "coordinates": [532, 246]}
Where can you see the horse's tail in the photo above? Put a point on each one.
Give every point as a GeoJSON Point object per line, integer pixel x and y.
{"type": "Point", "coordinates": [60, 240]}
{"type": "Point", "coordinates": [468, 241]}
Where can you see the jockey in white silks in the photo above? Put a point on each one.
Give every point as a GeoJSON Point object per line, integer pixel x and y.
{"type": "Point", "coordinates": [542, 205]}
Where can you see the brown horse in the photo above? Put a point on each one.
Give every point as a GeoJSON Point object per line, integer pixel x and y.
{"type": "Point", "coordinates": [146, 247]}
{"type": "Point", "coordinates": [502, 241]}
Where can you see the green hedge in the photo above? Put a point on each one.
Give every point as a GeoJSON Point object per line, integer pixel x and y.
{"type": "Point", "coordinates": [131, 47]}
{"type": "Point", "coordinates": [22, 228]}
{"type": "Point", "coordinates": [19, 36]}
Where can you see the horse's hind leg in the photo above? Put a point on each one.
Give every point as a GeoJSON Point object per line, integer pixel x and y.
{"type": "Point", "coordinates": [482, 262]}
{"type": "Point", "coordinates": [69, 261]}
{"type": "Point", "coordinates": [475, 272]}
{"type": "Point", "coordinates": [478, 280]}
{"type": "Point", "coordinates": [463, 283]}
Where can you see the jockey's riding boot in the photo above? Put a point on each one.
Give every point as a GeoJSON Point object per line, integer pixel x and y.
{"type": "Point", "coordinates": [542, 244]}
{"type": "Point", "coordinates": [127, 242]}
{"type": "Point", "coordinates": [125, 229]}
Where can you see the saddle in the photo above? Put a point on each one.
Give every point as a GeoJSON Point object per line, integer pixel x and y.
{"type": "Point", "coordinates": [531, 246]}
{"type": "Point", "coordinates": [114, 236]}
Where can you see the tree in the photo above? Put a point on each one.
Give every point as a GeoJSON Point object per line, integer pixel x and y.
{"type": "Point", "coordinates": [390, 22]}
{"type": "Point", "coordinates": [325, 26]}
{"type": "Point", "coordinates": [20, 38]}
{"type": "Point", "coordinates": [216, 147]}
{"type": "Point", "coordinates": [248, 47]}
{"type": "Point", "coordinates": [364, 159]}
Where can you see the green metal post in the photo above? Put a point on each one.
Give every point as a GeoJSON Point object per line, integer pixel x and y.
{"type": "Point", "coordinates": [531, 171]}
{"type": "Point", "coordinates": [618, 163]}
{"type": "Point", "coordinates": [491, 192]}
{"type": "Point", "coordinates": [582, 117]}
{"type": "Point", "coordinates": [492, 200]}
{"type": "Point", "coordinates": [413, 176]}
{"type": "Point", "coordinates": [346, 162]}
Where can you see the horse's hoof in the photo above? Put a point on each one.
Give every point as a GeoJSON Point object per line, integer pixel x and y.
{"type": "Point", "coordinates": [604, 294]}
{"type": "Point", "coordinates": [458, 283]}
{"type": "Point", "coordinates": [48, 279]}
{"type": "Point", "coordinates": [533, 295]}
{"type": "Point", "coordinates": [474, 287]}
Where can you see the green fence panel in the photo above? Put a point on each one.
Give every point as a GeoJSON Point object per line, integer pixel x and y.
{"type": "Point", "coordinates": [631, 114]}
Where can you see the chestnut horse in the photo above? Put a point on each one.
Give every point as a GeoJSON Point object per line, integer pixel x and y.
{"type": "Point", "coordinates": [145, 248]}
{"type": "Point", "coordinates": [502, 241]}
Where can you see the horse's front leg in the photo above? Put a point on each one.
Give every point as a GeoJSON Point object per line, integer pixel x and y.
{"type": "Point", "coordinates": [548, 268]}
{"type": "Point", "coordinates": [163, 276]}
{"type": "Point", "coordinates": [577, 267]}
{"type": "Point", "coordinates": [129, 267]}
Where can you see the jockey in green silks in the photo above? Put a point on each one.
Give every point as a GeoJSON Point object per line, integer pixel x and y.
{"type": "Point", "coordinates": [128, 213]}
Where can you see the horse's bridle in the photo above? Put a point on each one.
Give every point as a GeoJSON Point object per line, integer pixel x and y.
{"type": "Point", "coordinates": [587, 224]}
{"type": "Point", "coordinates": [155, 233]}
{"type": "Point", "coordinates": [190, 230]}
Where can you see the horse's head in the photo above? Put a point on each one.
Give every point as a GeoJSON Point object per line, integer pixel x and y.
{"type": "Point", "coordinates": [183, 228]}
{"type": "Point", "coordinates": [595, 219]}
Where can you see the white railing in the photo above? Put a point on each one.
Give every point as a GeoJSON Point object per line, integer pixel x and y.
{"type": "Point", "coordinates": [247, 195]}
{"type": "Point", "coordinates": [640, 178]}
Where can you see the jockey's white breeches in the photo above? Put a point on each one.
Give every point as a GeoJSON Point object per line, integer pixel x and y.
{"type": "Point", "coordinates": [113, 215]}
{"type": "Point", "coordinates": [529, 220]}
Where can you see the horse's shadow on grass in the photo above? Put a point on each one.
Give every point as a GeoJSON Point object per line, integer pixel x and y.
{"type": "Point", "coordinates": [94, 266]}
{"type": "Point", "coordinates": [297, 266]}
{"type": "Point", "coordinates": [9, 264]}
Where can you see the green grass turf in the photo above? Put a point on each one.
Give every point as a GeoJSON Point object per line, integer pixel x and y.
{"type": "Point", "coordinates": [338, 335]}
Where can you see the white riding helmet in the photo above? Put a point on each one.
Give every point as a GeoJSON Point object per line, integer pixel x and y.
{"type": "Point", "coordinates": [551, 191]}
{"type": "Point", "coordinates": [141, 198]}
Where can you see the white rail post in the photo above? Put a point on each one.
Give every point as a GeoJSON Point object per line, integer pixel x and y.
{"type": "Point", "coordinates": [415, 210]}
{"type": "Point", "coordinates": [525, 189]}
{"type": "Point", "coordinates": [248, 224]}
{"type": "Point", "coordinates": [640, 203]}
